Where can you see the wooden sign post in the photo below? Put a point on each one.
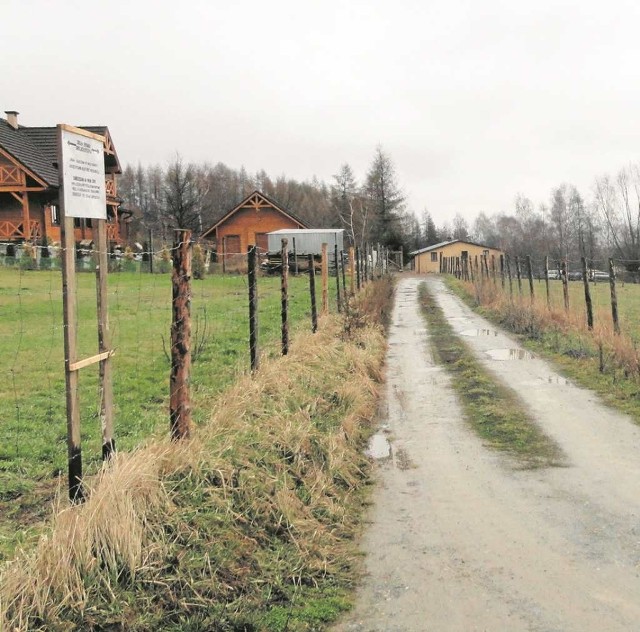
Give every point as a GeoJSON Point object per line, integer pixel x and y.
{"type": "Point", "coordinates": [83, 194]}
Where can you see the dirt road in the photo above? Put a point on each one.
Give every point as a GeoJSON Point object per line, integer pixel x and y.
{"type": "Point", "coordinates": [462, 540]}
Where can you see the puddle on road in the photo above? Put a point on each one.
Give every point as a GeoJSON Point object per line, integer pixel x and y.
{"type": "Point", "coordinates": [379, 447]}
{"type": "Point", "coordinates": [479, 332]}
{"type": "Point", "coordinates": [510, 354]}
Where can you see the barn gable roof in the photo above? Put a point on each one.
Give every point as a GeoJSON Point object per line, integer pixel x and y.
{"type": "Point", "coordinates": [255, 200]}
{"type": "Point", "coordinates": [443, 244]}
{"type": "Point", "coordinates": [36, 149]}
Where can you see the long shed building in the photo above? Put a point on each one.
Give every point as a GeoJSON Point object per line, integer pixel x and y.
{"type": "Point", "coordinates": [430, 259]}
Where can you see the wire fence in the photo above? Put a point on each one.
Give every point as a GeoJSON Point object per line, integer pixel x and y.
{"type": "Point", "coordinates": [33, 428]}
{"type": "Point", "coordinates": [602, 293]}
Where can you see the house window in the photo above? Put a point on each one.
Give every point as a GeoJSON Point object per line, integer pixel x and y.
{"type": "Point", "coordinates": [76, 222]}
{"type": "Point", "coordinates": [434, 257]}
{"type": "Point", "coordinates": [88, 223]}
{"type": "Point", "coordinates": [55, 215]}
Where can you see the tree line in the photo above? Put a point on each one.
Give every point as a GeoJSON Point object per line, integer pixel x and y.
{"type": "Point", "coordinates": [195, 196]}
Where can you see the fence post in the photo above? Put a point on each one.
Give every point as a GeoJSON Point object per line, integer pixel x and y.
{"type": "Point", "coordinates": [587, 292]}
{"type": "Point", "coordinates": [530, 275]}
{"type": "Point", "coordinates": [179, 397]}
{"type": "Point", "coordinates": [325, 280]}
{"type": "Point", "coordinates": [352, 269]}
{"type": "Point", "coordinates": [312, 293]}
{"type": "Point", "coordinates": [508, 262]}
{"type": "Point", "coordinates": [565, 284]}
{"type": "Point", "coordinates": [253, 308]}
{"type": "Point", "coordinates": [104, 343]}
{"type": "Point", "coordinates": [502, 270]}
{"type": "Point", "coordinates": [344, 278]}
{"type": "Point", "coordinates": [614, 297]}
{"type": "Point", "coordinates": [486, 266]}
{"type": "Point", "coordinates": [150, 251]}
{"type": "Point", "coordinates": [493, 268]}
{"type": "Point", "coordinates": [295, 258]}
{"type": "Point", "coordinates": [358, 267]}
{"type": "Point", "coordinates": [284, 295]}
{"type": "Point", "coordinates": [335, 255]}
{"type": "Point", "coordinates": [546, 280]}
{"type": "Point", "coordinates": [365, 257]}
{"type": "Point", "coordinates": [519, 275]}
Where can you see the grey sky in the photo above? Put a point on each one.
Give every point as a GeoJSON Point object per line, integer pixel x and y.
{"type": "Point", "coordinates": [474, 101]}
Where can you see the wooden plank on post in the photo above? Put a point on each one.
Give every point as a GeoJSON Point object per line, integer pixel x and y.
{"type": "Point", "coordinates": [587, 292]}
{"type": "Point", "coordinates": [614, 297]}
{"type": "Point", "coordinates": [70, 330]}
{"type": "Point", "coordinates": [312, 292]}
{"type": "Point", "coordinates": [252, 278]}
{"type": "Point", "coordinates": [325, 280]}
{"type": "Point", "coordinates": [179, 396]}
{"type": "Point", "coordinates": [284, 295]}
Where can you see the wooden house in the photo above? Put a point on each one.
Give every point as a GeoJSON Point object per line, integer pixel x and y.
{"type": "Point", "coordinates": [433, 258]}
{"type": "Point", "coordinates": [247, 224]}
{"type": "Point", "coordinates": [29, 186]}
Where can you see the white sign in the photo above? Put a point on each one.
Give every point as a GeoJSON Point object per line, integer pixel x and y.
{"type": "Point", "coordinates": [83, 175]}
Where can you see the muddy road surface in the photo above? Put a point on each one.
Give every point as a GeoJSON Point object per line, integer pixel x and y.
{"type": "Point", "coordinates": [462, 539]}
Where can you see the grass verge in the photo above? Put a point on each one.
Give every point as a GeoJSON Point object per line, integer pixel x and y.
{"type": "Point", "coordinates": [599, 360]}
{"type": "Point", "coordinates": [493, 410]}
{"type": "Point", "coordinates": [249, 526]}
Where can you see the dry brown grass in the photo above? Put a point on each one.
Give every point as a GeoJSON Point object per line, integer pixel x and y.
{"type": "Point", "coordinates": [567, 331]}
{"type": "Point", "coordinates": [260, 502]}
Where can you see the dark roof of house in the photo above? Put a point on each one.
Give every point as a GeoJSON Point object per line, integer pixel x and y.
{"type": "Point", "coordinates": [442, 244]}
{"type": "Point", "coordinates": [36, 148]}
{"type": "Point", "coordinates": [244, 201]}
{"type": "Point", "coordinates": [25, 150]}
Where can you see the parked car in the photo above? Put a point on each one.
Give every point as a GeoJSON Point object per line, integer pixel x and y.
{"type": "Point", "coordinates": [554, 274]}
{"type": "Point", "coordinates": [598, 275]}
{"type": "Point", "coordinates": [575, 275]}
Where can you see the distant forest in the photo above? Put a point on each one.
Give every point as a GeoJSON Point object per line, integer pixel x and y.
{"type": "Point", "coordinates": [374, 210]}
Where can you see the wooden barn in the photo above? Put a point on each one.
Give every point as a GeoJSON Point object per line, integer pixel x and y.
{"type": "Point", "coordinates": [431, 258]}
{"type": "Point", "coordinates": [29, 186]}
{"type": "Point", "coordinates": [247, 224]}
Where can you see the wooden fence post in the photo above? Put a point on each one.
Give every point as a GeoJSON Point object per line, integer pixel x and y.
{"type": "Point", "coordinates": [344, 279]}
{"type": "Point", "coordinates": [530, 275]}
{"type": "Point", "coordinates": [295, 258]}
{"type": "Point", "coordinates": [614, 297]}
{"type": "Point", "coordinates": [352, 270]}
{"type": "Point", "coordinates": [565, 284]}
{"type": "Point", "coordinates": [325, 280]}
{"type": "Point", "coordinates": [104, 342]}
{"type": "Point", "coordinates": [312, 293]}
{"type": "Point", "coordinates": [284, 295]}
{"type": "Point", "coordinates": [519, 275]}
{"type": "Point", "coordinates": [150, 251]}
{"type": "Point", "coordinates": [546, 280]}
{"type": "Point", "coordinates": [179, 397]}
{"type": "Point", "coordinates": [508, 262]}
{"type": "Point", "coordinates": [502, 270]}
{"type": "Point", "coordinates": [358, 269]}
{"type": "Point", "coordinates": [587, 292]}
{"type": "Point", "coordinates": [493, 268]}
{"type": "Point", "coordinates": [335, 256]}
{"type": "Point", "coordinates": [253, 308]}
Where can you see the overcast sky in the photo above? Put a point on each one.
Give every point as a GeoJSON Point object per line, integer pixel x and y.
{"type": "Point", "coordinates": [475, 101]}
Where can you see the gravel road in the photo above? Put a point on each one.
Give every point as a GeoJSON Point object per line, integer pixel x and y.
{"type": "Point", "coordinates": [460, 538]}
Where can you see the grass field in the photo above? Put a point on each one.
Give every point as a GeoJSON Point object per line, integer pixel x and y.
{"type": "Point", "coordinates": [628, 301]}
{"type": "Point", "coordinates": [32, 401]}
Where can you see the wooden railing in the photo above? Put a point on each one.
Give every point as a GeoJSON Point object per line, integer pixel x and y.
{"type": "Point", "coordinates": [11, 176]}
{"type": "Point", "coordinates": [111, 186]}
{"type": "Point", "coordinates": [15, 230]}
{"type": "Point", "coordinates": [112, 232]}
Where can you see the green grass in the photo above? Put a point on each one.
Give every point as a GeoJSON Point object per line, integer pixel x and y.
{"type": "Point", "coordinates": [493, 410]}
{"type": "Point", "coordinates": [32, 387]}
